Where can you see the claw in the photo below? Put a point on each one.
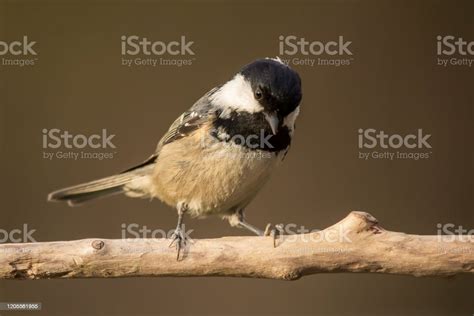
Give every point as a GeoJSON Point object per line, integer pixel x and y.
{"type": "Point", "coordinates": [273, 232]}
{"type": "Point", "coordinates": [276, 233]}
{"type": "Point", "coordinates": [180, 240]}
{"type": "Point", "coordinates": [268, 230]}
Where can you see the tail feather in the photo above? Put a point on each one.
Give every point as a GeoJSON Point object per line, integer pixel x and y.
{"type": "Point", "coordinates": [84, 192]}
{"type": "Point", "coordinates": [78, 199]}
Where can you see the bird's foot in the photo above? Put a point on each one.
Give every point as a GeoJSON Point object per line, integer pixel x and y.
{"type": "Point", "coordinates": [179, 239]}
{"type": "Point", "coordinates": [274, 232]}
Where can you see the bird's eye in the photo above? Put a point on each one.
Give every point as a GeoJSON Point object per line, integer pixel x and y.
{"type": "Point", "coordinates": [258, 94]}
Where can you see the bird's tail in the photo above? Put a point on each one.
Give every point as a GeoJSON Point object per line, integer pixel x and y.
{"type": "Point", "coordinates": [84, 192]}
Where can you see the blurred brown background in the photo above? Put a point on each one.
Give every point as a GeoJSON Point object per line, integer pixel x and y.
{"type": "Point", "coordinates": [393, 84]}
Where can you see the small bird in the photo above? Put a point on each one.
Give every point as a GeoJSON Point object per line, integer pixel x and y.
{"type": "Point", "coordinates": [218, 154]}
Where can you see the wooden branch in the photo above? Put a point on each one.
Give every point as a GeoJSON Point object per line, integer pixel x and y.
{"type": "Point", "coordinates": [355, 244]}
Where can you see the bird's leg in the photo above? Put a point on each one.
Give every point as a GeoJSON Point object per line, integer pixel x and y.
{"type": "Point", "coordinates": [251, 228]}
{"type": "Point", "coordinates": [269, 231]}
{"type": "Point", "coordinates": [178, 235]}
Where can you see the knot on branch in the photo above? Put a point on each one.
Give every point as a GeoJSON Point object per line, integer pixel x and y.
{"type": "Point", "coordinates": [98, 244]}
{"type": "Point", "coordinates": [359, 222]}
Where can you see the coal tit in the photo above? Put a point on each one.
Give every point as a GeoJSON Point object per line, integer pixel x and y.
{"type": "Point", "coordinates": [218, 154]}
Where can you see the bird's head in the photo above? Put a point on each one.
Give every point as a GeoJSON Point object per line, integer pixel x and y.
{"type": "Point", "coordinates": [266, 86]}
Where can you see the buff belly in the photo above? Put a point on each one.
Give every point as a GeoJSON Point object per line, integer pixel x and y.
{"type": "Point", "coordinates": [211, 178]}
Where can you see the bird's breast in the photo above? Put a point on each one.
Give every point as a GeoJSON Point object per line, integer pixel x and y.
{"type": "Point", "coordinates": [209, 175]}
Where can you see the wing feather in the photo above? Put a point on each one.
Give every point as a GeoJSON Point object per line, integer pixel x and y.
{"type": "Point", "coordinates": [191, 120]}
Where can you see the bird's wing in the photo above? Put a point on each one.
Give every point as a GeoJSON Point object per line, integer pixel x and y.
{"type": "Point", "coordinates": [191, 120]}
{"type": "Point", "coordinates": [184, 125]}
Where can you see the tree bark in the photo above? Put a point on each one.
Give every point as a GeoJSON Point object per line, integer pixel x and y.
{"type": "Point", "coordinates": [355, 244]}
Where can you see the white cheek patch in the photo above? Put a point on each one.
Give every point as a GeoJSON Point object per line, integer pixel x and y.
{"type": "Point", "coordinates": [236, 95]}
{"type": "Point", "coordinates": [290, 119]}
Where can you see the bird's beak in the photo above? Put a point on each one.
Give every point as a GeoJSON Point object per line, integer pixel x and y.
{"type": "Point", "coordinates": [273, 121]}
